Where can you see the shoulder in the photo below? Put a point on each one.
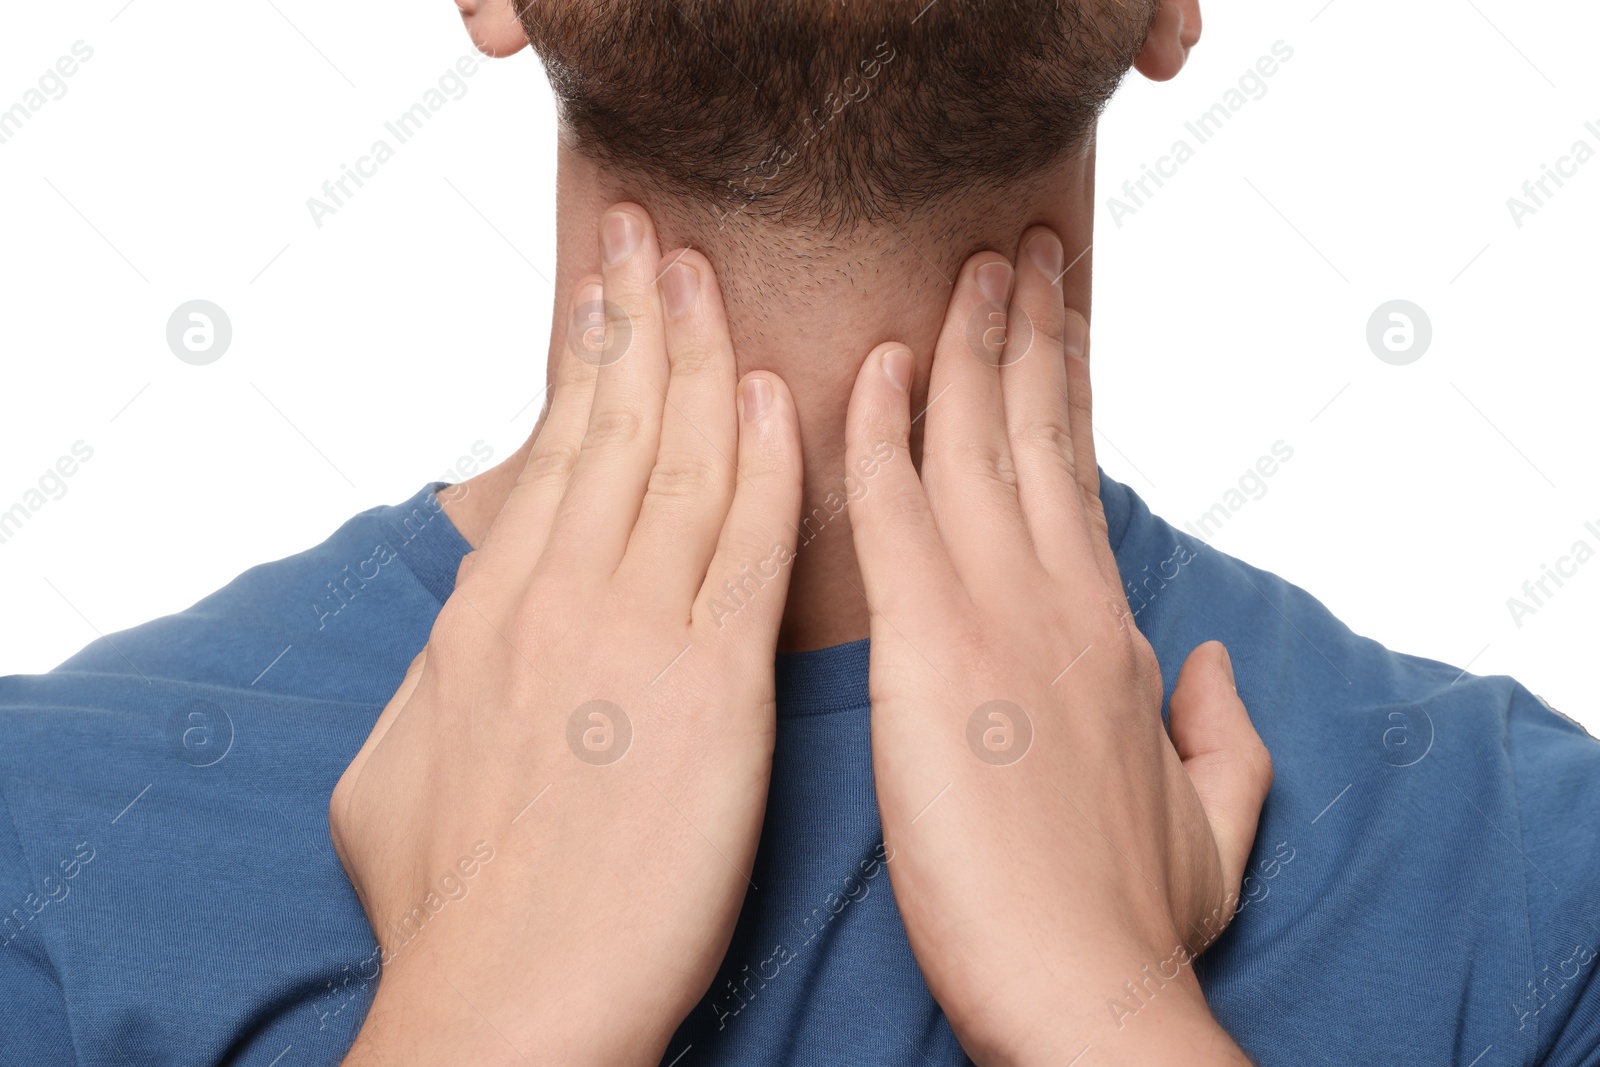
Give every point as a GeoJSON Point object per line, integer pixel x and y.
{"type": "Point", "coordinates": [383, 566]}
{"type": "Point", "coordinates": [1430, 840]}
{"type": "Point", "coordinates": [165, 794]}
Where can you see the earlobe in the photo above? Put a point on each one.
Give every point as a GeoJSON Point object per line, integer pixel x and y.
{"type": "Point", "coordinates": [1174, 32]}
{"type": "Point", "coordinates": [494, 26]}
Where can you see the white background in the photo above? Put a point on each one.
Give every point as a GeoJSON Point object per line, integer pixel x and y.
{"type": "Point", "coordinates": [370, 354]}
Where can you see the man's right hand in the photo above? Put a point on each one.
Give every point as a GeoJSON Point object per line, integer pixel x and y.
{"type": "Point", "coordinates": [552, 824]}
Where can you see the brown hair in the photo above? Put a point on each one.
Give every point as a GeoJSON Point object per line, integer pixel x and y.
{"type": "Point", "coordinates": [832, 112]}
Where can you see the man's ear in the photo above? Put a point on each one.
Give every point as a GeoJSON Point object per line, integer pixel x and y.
{"type": "Point", "coordinates": [1175, 31]}
{"type": "Point", "coordinates": [494, 26]}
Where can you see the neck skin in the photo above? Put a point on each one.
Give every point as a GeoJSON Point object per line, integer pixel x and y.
{"type": "Point", "coordinates": [883, 285]}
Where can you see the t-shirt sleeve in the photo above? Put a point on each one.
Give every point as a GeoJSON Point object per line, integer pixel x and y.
{"type": "Point", "coordinates": [1557, 768]}
{"type": "Point", "coordinates": [34, 1015]}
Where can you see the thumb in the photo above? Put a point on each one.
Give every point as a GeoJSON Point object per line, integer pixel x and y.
{"type": "Point", "coordinates": [1228, 765]}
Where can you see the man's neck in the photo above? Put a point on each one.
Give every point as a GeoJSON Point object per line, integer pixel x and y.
{"type": "Point", "coordinates": [810, 314]}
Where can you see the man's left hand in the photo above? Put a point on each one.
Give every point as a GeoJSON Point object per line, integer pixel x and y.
{"type": "Point", "coordinates": [1052, 847]}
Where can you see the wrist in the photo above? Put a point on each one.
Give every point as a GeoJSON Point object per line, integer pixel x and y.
{"type": "Point", "coordinates": [1131, 1020]}
{"type": "Point", "coordinates": [412, 1024]}
{"type": "Point", "coordinates": [427, 1013]}
{"type": "Point", "coordinates": [1179, 1029]}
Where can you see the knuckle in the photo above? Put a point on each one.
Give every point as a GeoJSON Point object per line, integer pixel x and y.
{"type": "Point", "coordinates": [1048, 434]}
{"type": "Point", "coordinates": [1080, 406]}
{"type": "Point", "coordinates": [985, 459]}
{"type": "Point", "coordinates": [1052, 325]}
{"type": "Point", "coordinates": [871, 454]}
{"type": "Point", "coordinates": [629, 317]}
{"type": "Point", "coordinates": [1004, 471]}
{"type": "Point", "coordinates": [770, 465]}
{"type": "Point", "coordinates": [550, 464]}
{"type": "Point", "coordinates": [1099, 527]}
{"type": "Point", "coordinates": [686, 479]}
{"type": "Point", "coordinates": [893, 428]}
{"type": "Point", "coordinates": [575, 374]}
{"type": "Point", "coordinates": [894, 508]}
{"type": "Point", "coordinates": [614, 428]}
{"type": "Point", "coordinates": [691, 359]}
{"type": "Point", "coordinates": [757, 550]}
{"type": "Point", "coordinates": [877, 427]}
{"type": "Point", "coordinates": [615, 314]}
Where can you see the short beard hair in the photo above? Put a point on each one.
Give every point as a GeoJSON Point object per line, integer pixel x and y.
{"type": "Point", "coordinates": [829, 114]}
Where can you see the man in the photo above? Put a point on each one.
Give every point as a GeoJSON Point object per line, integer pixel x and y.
{"type": "Point", "coordinates": [579, 838]}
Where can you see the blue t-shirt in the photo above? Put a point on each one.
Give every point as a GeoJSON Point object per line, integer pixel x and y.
{"type": "Point", "coordinates": [1425, 886]}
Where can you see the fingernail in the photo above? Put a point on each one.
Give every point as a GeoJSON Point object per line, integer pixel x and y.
{"type": "Point", "coordinates": [995, 281]}
{"type": "Point", "coordinates": [1046, 253]}
{"type": "Point", "coordinates": [1075, 338]}
{"type": "Point", "coordinates": [619, 236]}
{"type": "Point", "coordinates": [897, 367]}
{"type": "Point", "coordinates": [593, 293]}
{"type": "Point", "coordinates": [1227, 664]}
{"type": "Point", "coordinates": [755, 397]}
{"type": "Point", "coordinates": [679, 284]}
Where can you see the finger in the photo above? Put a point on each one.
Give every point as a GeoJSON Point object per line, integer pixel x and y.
{"type": "Point", "coordinates": [966, 457]}
{"type": "Point", "coordinates": [903, 559]}
{"type": "Point", "coordinates": [1080, 405]}
{"type": "Point", "coordinates": [1040, 420]}
{"type": "Point", "coordinates": [598, 511]}
{"type": "Point", "coordinates": [1223, 755]}
{"type": "Point", "coordinates": [692, 483]}
{"type": "Point", "coordinates": [515, 541]}
{"type": "Point", "coordinates": [747, 582]}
